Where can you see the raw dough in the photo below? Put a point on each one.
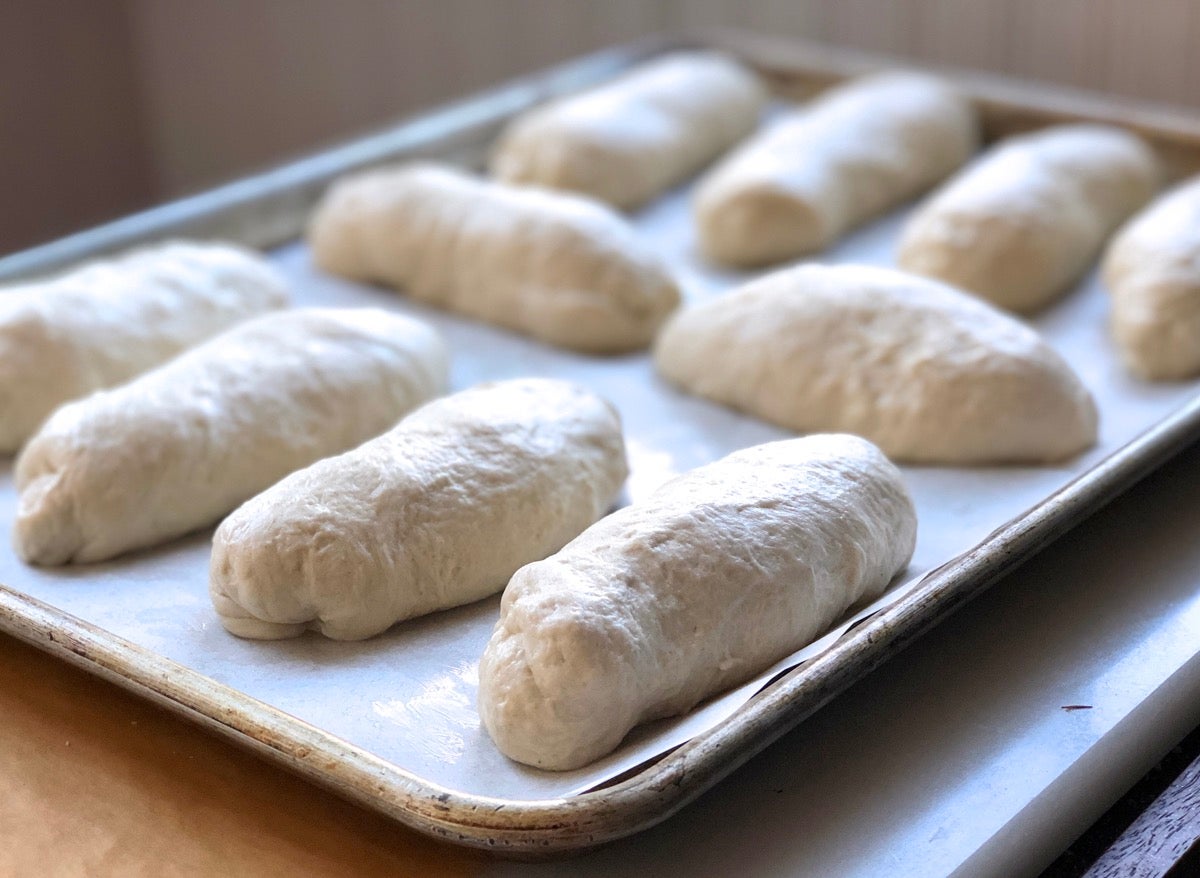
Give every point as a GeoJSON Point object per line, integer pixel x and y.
{"type": "Point", "coordinates": [440, 511]}
{"type": "Point", "coordinates": [719, 574]}
{"type": "Point", "coordinates": [928, 373]}
{"type": "Point", "coordinates": [554, 266]}
{"type": "Point", "coordinates": [1152, 270]}
{"type": "Point", "coordinates": [1022, 224]}
{"type": "Point", "coordinates": [180, 446]}
{"type": "Point", "coordinates": [850, 155]}
{"type": "Point", "coordinates": [632, 139]}
{"type": "Point", "coordinates": [108, 321]}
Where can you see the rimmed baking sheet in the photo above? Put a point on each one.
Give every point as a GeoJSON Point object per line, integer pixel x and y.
{"type": "Point", "coordinates": [406, 699]}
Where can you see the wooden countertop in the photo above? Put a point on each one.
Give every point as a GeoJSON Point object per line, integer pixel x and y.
{"type": "Point", "coordinates": [94, 781]}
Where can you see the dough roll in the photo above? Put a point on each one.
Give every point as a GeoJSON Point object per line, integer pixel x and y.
{"type": "Point", "coordinates": [718, 575]}
{"type": "Point", "coordinates": [106, 322]}
{"type": "Point", "coordinates": [1152, 271]}
{"type": "Point", "coordinates": [557, 267]}
{"type": "Point", "coordinates": [440, 511]}
{"type": "Point", "coordinates": [180, 446]}
{"type": "Point", "coordinates": [1024, 222]}
{"type": "Point", "coordinates": [928, 373]}
{"type": "Point", "coordinates": [855, 152]}
{"type": "Point", "coordinates": [637, 136]}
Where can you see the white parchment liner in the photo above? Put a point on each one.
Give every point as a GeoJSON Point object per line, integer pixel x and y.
{"type": "Point", "coordinates": [408, 696]}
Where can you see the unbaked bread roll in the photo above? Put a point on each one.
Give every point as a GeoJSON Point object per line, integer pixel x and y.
{"type": "Point", "coordinates": [438, 512]}
{"type": "Point", "coordinates": [179, 446]}
{"type": "Point", "coordinates": [850, 155]}
{"type": "Point", "coordinates": [635, 137]}
{"type": "Point", "coordinates": [929, 374]}
{"type": "Point", "coordinates": [1152, 270]}
{"type": "Point", "coordinates": [557, 267]}
{"type": "Point", "coordinates": [1023, 223]}
{"type": "Point", "coordinates": [105, 322]}
{"type": "Point", "coordinates": [718, 575]}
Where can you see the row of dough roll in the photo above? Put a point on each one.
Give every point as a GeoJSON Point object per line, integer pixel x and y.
{"type": "Point", "coordinates": [504, 487]}
{"type": "Point", "coordinates": [441, 509]}
{"type": "Point", "coordinates": [1018, 227]}
{"type": "Point", "coordinates": [353, 494]}
{"type": "Point", "coordinates": [925, 372]}
{"type": "Point", "coordinates": [815, 349]}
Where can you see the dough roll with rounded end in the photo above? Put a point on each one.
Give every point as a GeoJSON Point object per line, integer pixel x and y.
{"type": "Point", "coordinates": [180, 446]}
{"type": "Point", "coordinates": [560, 268]}
{"type": "Point", "coordinates": [849, 156]}
{"type": "Point", "coordinates": [106, 322]}
{"type": "Point", "coordinates": [1024, 222]}
{"type": "Point", "coordinates": [1152, 270]}
{"type": "Point", "coordinates": [929, 374]}
{"type": "Point", "coordinates": [637, 136]}
{"type": "Point", "coordinates": [438, 512]}
{"type": "Point", "coordinates": [719, 574]}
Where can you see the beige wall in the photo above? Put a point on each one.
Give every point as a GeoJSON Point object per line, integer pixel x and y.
{"type": "Point", "coordinates": [72, 144]}
{"type": "Point", "coordinates": [215, 88]}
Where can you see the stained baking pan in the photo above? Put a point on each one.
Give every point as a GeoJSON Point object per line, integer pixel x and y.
{"type": "Point", "coordinates": [389, 723]}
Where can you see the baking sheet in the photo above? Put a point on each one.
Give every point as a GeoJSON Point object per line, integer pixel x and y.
{"type": "Point", "coordinates": [408, 695]}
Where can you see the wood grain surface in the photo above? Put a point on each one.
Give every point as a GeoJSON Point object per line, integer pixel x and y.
{"type": "Point", "coordinates": [94, 781]}
{"type": "Point", "coordinates": [1164, 840]}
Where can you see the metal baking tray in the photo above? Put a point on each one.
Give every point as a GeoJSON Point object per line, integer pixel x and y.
{"type": "Point", "coordinates": [269, 211]}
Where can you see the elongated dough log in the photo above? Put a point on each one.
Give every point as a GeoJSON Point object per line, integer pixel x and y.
{"type": "Point", "coordinates": [719, 574]}
{"type": "Point", "coordinates": [853, 153]}
{"type": "Point", "coordinates": [632, 139]}
{"type": "Point", "coordinates": [928, 373]}
{"type": "Point", "coordinates": [438, 512]}
{"type": "Point", "coordinates": [557, 267]}
{"type": "Point", "coordinates": [108, 321]}
{"type": "Point", "coordinates": [180, 446]}
{"type": "Point", "coordinates": [1023, 223]}
{"type": "Point", "coordinates": [1152, 270]}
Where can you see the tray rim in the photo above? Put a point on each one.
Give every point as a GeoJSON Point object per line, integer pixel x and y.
{"type": "Point", "coordinates": [270, 208]}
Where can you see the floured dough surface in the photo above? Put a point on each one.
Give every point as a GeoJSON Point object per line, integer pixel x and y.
{"type": "Point", "coordinates": [717, 575]}
{"type": "Point", "coordinates": [928, 373]}
{"type": "Point", "coordinates": [1023, 223]}
{"type": "Point", "coordinates": [632, 139]}
{"type": "Point", "coordinates": [439, 511]}
{"type": "Point", "coordinates": [108, 321]}
{"type": "Point", "coordinates": [557, 267]}
{"type": "Point", "coordinates": [180, 446]}
{"type": "Point", "coordinates": [853, 153]}
{"type": "Point", "coordinates": [1152, 271]}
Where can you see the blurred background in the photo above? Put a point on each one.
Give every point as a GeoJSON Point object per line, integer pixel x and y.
{"type": "Point", "coordinates": [109, 106]}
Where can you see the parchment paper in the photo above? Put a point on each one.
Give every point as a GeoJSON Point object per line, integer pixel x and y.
{"type": "Point", "coordinates": [408, 696]}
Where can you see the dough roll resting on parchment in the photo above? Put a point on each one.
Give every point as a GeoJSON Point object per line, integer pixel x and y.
{"type": "Point", "coordinates": [930, 374]}
{"type": "Point", "coordinates": [180, 446]}
{"type": "Point", "coordinates": [1023, 223]}
{"type": "Point", "coordinates": [719, 574]}
{"type": "Point", "coordinates": [440, 511]}
{"type": "Point", "coordinates": [560, 268]}
{"type": "Point", "coordinates": [853, 153]}
{"type": "Point", "coordinates": [108, 321]}
{"type": "Point", "coordinates": [637, 136]}
{"type": "Point", "coordinates": [1152, 271]}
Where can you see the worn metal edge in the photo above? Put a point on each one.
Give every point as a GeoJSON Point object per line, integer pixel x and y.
{"type": "Point", "coordinates": [558, 826]}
